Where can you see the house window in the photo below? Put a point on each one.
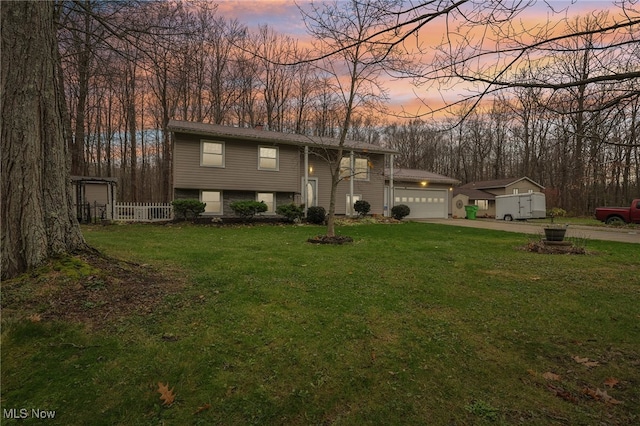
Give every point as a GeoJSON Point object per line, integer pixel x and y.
{"type": "Point", "coordinates": [267, 158]}
{"type": "Point", "coordinates": [361, 168]}
{"type": "Point", "coordinates": [212, 154]}
{"type": "Point", "coordinates": [269, 199]}
{"type": "Point", "coordinates": [213, 201]}
{"type": "Point", "coordinates": [482, 204]}
{"type": "Point", "coordinates": [516, 191]}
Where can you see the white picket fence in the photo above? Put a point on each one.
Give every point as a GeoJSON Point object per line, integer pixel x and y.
{"type": "Point", "coordinates": [143, 212]}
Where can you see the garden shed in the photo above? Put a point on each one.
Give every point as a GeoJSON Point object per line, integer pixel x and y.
{"type": "Point", "coordinates": [94, 198]}
{"type": "Point", "coordinates": [483, 194]}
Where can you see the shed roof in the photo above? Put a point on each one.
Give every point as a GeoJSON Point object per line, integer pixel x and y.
{"type": "Point", "coordinates": [498, 183]}
{"type": "Point", "coordinates": [474, 194]}
{"type": "Point", "coordinates": [94, 179]}
{"type": "Point", "coordinates": [415, 175]}
{"type": "Point", "coordinates": [258, 135]}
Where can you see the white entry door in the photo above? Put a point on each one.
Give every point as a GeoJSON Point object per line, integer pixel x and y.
{"type": "Point", "coordinates": [312, 192]}
{"type": "Point", "coordinates": [350, 211]}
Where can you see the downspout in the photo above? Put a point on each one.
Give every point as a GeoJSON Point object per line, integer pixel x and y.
{"type": "Point", "coordinates": [352, 165]}
{"type": "Point", "coordinates": [305, 189]}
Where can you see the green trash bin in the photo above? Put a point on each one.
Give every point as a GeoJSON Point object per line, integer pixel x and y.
{"type": "Point", "coordinates": [471, 210]}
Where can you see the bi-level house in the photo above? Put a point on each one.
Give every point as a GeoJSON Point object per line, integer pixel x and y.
{"type": "Point", "coordinates": [220, 164]}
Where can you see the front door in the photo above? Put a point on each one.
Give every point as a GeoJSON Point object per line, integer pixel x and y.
{"type": "Point", "coordinates": [312, 192]}
{"type": "Point", "coordinates": [350, 210]}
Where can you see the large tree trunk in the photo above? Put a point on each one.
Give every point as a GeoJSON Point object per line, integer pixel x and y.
{"type": "Point", "coordinates": [38, 219]}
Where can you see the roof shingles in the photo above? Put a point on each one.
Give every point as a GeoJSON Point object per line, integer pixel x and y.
{"type": "Point", "coordinates": [258, 135]}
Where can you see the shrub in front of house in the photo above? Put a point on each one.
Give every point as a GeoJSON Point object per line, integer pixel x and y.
{"type": "Point", "coordinates": [188, 208]}
{"type": "Point", "coordinates": [557, 212]}
{"type": "Point", "coordinates": [248, 209]}
{"type": "Point", "coordinates": [400, 211]}
{"type": "Point", "coordinates": [292, 212]}
{"type": "Point", "coordinates": [316, 215]}
{"type": "Point", "coordinates": [362, 207]}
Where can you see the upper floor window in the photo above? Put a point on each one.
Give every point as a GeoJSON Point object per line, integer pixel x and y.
{"type": "Point", "coordinates": [267, 158]}
{"type": "Point", "coordinates": [360, 170]}
{"type": "Point", "coordinates": [212, 154]}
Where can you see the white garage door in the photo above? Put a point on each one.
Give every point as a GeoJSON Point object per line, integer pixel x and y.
{"type": "Point", "coordinates": [424, 203]}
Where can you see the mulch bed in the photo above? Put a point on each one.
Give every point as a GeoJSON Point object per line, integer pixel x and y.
{"type": "Point", "coordinates": [546, 247]}
{"type": "Point", "coordinates": [235, 220]}
{"type": "Point", "coordinates": [113, 290]}
{"type": "Point", "coordinates": [325, 239]}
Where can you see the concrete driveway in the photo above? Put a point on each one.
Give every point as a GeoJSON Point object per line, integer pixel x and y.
{"type": "Point", "coordinates": [576, 231]}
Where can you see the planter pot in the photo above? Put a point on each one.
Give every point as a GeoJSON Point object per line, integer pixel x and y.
{"type": "Point", "coordinates": [554, 234]}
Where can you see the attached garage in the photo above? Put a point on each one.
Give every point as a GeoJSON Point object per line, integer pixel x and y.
{"type": "Point", "coordinates": [424, 203]}
{"type": "Point", "coordinates": [427, 194]}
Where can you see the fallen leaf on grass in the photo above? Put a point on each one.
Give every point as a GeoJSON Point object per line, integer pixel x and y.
{"type": "Point", "coordinates": [34, 318]}
{"type": "Point", "coordinates": [551, 376]}
{"type": "Point", "coordinates": [205, 407]}
{"type": "Point", "coordinates": [611, 382]}
{"type": "Point", "coordinates": [166, 394]}
{"type": "Point", "coordinates": [559, 392]}
{"type": "Point", "coordinates": [600, 395]}
{"type": "Point", "coordinates": [586, 362]}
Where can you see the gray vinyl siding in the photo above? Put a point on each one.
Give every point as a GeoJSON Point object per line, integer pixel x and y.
{"type": "Point", "coordinates": [96, 192]}
{"type": "Point", "coordinates": [523, 186]}
{"type": "Point", "coordinates": [371, 190]}
{"type": "Point", "coordinates": [240, 178]}
{"type": "Point", "coordinates": [241, 167]}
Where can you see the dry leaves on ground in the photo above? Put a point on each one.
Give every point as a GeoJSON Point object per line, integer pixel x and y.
{"type": "Point", "coordinates": [600, 395]}
{"type": "Point", "coordinates": [562, 393]}
{"type": "Point", "coordinates": [551, 376]}
{"type": "Point", "coordinates": [611, 382]}
{"type": "Point", "coordinates": [586, 361]}
{"type": "Point", "coordinates": [166, 395]}
{"type": "Point", "coordinates": [205, 407]}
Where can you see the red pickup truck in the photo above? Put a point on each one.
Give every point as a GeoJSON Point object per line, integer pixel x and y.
{"type": "Point", "coordinates": [619, 215]}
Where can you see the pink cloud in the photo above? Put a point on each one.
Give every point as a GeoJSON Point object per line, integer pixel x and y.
{"type": "Point", "coordinates": [282, 15]}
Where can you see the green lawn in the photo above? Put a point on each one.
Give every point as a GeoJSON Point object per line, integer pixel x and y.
{"type": "Point", "coordinates": [588, 221]}
{"type": "Point", "coordinates": [411, 324]}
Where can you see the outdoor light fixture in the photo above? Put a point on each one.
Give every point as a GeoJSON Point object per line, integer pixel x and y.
{"type": "Point", "coordinates": [423, 183]}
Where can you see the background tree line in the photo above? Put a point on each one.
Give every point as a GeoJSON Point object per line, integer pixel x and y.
{"type": "Point", "coordinates": [129, 67]}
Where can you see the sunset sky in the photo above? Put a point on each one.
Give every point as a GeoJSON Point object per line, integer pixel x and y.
{"type": "Point", "coordinates": [284, 17]}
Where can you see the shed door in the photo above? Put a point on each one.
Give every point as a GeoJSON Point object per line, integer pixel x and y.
{"type": "Point", "coordinates": [424, 203]}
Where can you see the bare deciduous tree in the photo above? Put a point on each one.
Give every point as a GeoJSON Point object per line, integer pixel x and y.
{"type": "Point", "coordinates": [354, 69]}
